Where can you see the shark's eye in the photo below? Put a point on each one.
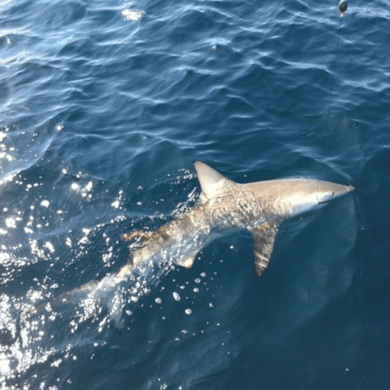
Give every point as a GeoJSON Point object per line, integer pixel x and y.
{"type": "Point", "coordinates": [332, 193]}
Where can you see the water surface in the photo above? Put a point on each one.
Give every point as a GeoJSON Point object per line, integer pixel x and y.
{"type": "Point", "coordinates": [103, 108]}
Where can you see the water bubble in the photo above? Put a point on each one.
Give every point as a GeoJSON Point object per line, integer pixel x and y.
{"type": "Point", "coordinates": [115, 204]}
{"type": "Point", "coordinates": [176, 296]}
{"type": "Point", "coordinates": [49, 246]}
{"type": "Point", "coordinates": [10, 223]}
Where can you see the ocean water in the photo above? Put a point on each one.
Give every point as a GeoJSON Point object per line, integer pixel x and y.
{"type": "Point", "coordinates": [103, 107]}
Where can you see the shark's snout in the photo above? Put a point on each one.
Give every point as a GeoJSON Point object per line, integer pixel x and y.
{"type": "Point", "coordinates": [340, 190]}
{"type": "Point", "coordinates": [335, 189]}
{"type": "Point", "coordinates": [312, 193]}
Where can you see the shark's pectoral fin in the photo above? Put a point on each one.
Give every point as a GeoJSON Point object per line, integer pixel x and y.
{"type": "Point", "coordinates": [187, 262]}
{"type": "Point", "coordinates": [264, 238]}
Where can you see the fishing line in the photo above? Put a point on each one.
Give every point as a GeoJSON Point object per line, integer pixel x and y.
{"type": "Point", "coordinates": [343, 5]}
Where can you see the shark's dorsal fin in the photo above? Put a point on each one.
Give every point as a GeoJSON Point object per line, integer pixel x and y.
{"type": "Point", "coordinates": [211, 181]}
{"type": "Point", "coordinates": [264, 238]}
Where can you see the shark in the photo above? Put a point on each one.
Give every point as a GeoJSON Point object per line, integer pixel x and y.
{"type": "Point", "coordinates": [223, 204]}
{"type": "Point", "coordinates": [258, 207]}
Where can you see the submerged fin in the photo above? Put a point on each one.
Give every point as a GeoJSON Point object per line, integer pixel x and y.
{"type": "Point", "coordinates": [264, 239]}
{"type": "Point", "coordinates": [187, 262]}
{"type": "Point", "coordinates": [137, 235]}
{"type": "Point", "coordinates": [210, 180]}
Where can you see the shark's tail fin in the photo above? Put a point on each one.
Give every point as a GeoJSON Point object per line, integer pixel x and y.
{"type": "Point", "coordinates": [89, 297]}
{"type": "Point", "coordinates": [67, 297]}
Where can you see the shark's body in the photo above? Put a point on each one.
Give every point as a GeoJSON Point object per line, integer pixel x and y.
{"type": "Point", "coordinates": [258, 207]}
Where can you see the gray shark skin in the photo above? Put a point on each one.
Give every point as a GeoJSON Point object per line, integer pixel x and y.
{"type": "Point", "coordinates": [258, 207]}
{"type": "Point", "coordinates": [223, 204]}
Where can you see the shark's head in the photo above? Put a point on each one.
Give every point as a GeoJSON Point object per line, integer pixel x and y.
{"type": "Point", "coordinates": [327, 191]}
{"type": "Point", "coordinates": [307, 194]}
{"type": "Point", "coordinates": [284, 198]}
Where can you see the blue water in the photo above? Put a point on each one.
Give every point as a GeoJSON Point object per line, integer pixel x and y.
{"type": "Point", "coordinates": [103, 107]}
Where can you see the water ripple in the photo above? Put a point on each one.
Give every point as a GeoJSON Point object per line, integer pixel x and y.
{"type": "Point", "coordinates": [103, 106]}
